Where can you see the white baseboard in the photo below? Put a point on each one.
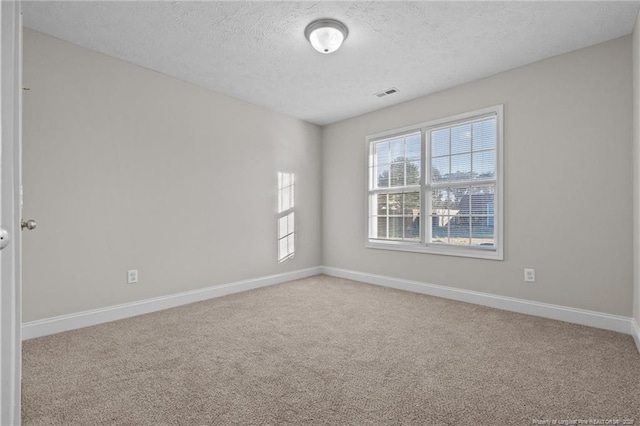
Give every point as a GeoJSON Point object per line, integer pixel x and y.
{"type": "Point", "coordinates": [556, 312]}
{"type": "Point", "coordinates": [635, 332]}
{"type": "Point", "coordinates": [62, 323]}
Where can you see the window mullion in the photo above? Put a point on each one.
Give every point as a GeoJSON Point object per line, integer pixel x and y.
{"type": "Point", "coordinates": [470, 217]}
{"type": "Point", "coordinates": [425, 199]}
{"type": "Point", "coordinates": [471, 152]}
{"type": "Point", "coordinates": [395, 190]}
{"type": "Point", "coordinates": [462, 184]}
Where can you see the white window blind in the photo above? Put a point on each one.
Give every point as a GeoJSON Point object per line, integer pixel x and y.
{"type": "Point", "coordinates": [462, 183]}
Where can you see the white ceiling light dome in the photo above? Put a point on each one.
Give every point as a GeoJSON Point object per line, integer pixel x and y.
{"type": "Point", "coordinates": [326, 35]}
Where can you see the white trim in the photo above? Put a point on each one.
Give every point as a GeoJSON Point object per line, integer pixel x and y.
{"type": "Point", "coordinates": [444, 250]}
{"type": "Point", "coordinates": [635, 332]}
{"type": "Point", "coordinates": [62, 323]}
{"type": "Point", "coordinates": [595, 319]}
{"type": "Point", "coordinates": [561, 313]}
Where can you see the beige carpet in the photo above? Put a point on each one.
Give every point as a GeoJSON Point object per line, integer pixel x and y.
{"type": "Point", "coordinates": [326, 351]}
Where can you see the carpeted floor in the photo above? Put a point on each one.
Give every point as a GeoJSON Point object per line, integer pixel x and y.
{"type": "Point", "coordinates": [326, 351]}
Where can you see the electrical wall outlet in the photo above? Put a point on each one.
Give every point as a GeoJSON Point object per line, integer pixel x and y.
{"type": "Point", "coordinates": [132, 276]}
{"type": "Point", "coordinates": [530, 275]}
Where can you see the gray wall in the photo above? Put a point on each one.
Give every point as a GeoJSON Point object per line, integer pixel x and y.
{"type": "Point", "coordinates": [127, 168]}
{"type": "Point", "coordinates": [636, 171]}
{"type": "Point", "coordinates": [568, 186]}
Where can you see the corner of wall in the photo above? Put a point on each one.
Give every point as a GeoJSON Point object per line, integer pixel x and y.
{"type": "Point", "coordinates": [322, 186]}
{"type": "Point", "coordinates": [635, 332]}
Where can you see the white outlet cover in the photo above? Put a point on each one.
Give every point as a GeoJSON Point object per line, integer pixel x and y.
{"type": "Point", "coordinates": [132, 276]}
{"type": "Point", "coordinates": [530, 275]}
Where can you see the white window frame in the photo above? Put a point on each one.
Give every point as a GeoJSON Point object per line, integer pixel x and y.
{"type": "Point", "coordinates": [424, 246]}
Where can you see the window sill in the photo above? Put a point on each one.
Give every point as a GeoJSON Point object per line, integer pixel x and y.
{"type": "Point", "coordinates": [476, 253]}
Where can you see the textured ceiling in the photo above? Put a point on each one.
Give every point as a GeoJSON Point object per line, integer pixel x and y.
{"type": "Point", "coordinates": [256, 51]}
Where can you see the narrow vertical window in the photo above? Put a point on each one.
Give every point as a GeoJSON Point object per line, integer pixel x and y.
{"type": "Point", "coordinates": [286, 216]}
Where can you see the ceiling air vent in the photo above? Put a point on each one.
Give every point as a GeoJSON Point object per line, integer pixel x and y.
{"type": "Point", "coordinates": [387, 92]}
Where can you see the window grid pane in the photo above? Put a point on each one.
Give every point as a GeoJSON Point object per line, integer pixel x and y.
{"type": "Point", "coordinates": [397, 216]}
{"type": "Point", "coordinates": [396, 162]}
{"type": "Point", "coordinates": [463, 215]}
{"type": "Point", "coordinates": [464, 152]}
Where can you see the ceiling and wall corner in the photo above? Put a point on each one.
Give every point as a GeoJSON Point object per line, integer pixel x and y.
{"type": "Point", "coordinates": [257, 52]}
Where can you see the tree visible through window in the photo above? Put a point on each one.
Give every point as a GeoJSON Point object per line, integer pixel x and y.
{"type": "Point", "coordinates": [396, 188]}
{"type": "Point", "coordinates": [458, 195]}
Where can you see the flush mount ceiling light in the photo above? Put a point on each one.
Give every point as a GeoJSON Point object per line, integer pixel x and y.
{"type": "Point", "coordinates": [326, 35]}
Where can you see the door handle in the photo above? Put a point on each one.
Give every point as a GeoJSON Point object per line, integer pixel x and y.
{"type": "Point", "coordinates": [4, 238]}
{"type": "Point", "coordinates": [29, 224]}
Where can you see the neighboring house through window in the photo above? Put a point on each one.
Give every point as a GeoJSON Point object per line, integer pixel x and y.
{"type": "Point", "coordinates": [448, 171]}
